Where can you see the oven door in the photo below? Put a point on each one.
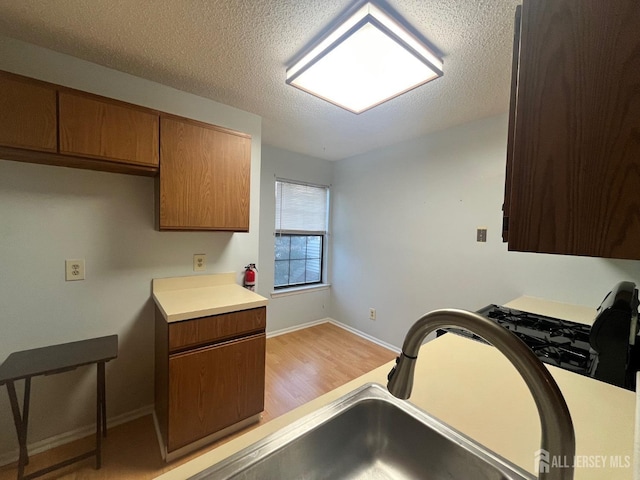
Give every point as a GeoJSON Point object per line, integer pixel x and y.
{"type": "Point", "coordinates": [613, 336]}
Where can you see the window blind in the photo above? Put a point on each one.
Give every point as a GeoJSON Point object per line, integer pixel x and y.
{"type": "Point", "coordinates": [301, 208]}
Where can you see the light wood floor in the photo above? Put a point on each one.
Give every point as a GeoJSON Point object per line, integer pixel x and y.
{"type": "Point", "coordinates": [300, 366]}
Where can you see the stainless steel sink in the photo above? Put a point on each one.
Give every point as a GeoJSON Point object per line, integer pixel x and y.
{"type": "Point", "coordinates": [367, 434]}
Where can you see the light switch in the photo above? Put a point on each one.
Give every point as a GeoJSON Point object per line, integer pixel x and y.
{"type": "Point", "coordinates": [481, 235]}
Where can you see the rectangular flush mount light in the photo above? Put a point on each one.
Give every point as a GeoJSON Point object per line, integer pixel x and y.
{"type": "Point", "coordinates": [364, 61]}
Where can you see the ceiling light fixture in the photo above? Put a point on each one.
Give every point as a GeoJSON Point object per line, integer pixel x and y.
{"type": "Point", "coordinates": [367, 59]}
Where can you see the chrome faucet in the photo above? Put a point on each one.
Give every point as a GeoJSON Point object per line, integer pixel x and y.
{"type": "Point", "coordinates": [558, 439]}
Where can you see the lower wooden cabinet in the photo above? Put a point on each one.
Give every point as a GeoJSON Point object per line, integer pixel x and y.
{"type": "Point", "coordinates": [209, 377]}
{"type": "Point", "coordinates": [213, 388]}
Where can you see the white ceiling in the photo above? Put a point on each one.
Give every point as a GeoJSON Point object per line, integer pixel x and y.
{"type": "Point", "coordinates": [236, 52]}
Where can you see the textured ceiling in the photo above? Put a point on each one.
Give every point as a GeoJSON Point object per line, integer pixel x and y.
{"type": "Point", "coordinates": [236, 52]}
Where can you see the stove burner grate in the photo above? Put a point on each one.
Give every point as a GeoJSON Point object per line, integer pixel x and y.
{"type": "Point", "coordinates": [557, 342]}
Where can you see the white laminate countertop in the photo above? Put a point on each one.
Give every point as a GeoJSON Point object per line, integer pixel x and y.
{"type": "Point", "coordinates": [473, 388]}
{"type": "Point", "coordinates": [563, 311]}
{"type": "Point", "coordinates": [183, 298]}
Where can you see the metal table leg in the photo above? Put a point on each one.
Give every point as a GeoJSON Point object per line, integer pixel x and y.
{"type": "Point", "coordinates": [101, 427]}
{"type": "Point", "coordinates": [21, 421]}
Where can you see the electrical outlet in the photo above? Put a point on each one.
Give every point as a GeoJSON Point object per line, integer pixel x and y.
{"type": "Point", "coordinates": [74, 269]}
{"type": "Point", "coordinates": [372, 314]}
{"type": "Point", "coordinates": [199, 262]}
{"type": "Point", "coordinates": [481, 234]}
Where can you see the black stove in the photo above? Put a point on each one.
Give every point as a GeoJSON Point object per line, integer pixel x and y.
{"type": "Point", "coordinates": [609, 350]}
{"type": "Point", "coordinates": [557, 342]}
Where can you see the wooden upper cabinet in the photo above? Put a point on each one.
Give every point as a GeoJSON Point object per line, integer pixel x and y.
{"type": "Point", "coordinates": [27, 114]}
{"type": "Point", "coordinates": [97, 127]}
{"type": "Point", "coordinates": [204, 176]}
{"type": "Point", "coordinates": [573, 184]}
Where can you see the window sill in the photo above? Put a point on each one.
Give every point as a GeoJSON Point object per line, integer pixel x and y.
{"type": "Point", "coordinates": [285, 292]}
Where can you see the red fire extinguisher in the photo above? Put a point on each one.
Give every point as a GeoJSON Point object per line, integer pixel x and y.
{"type": "Point", "coordinates": [250, 276]}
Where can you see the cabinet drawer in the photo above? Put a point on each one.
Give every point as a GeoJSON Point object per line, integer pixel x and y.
{"type": "Point", "coordinates": [201, 331]}
{"type": "Point", "coordinates": [107, 129]}
{"type": "Point", "coordinates": [215, 387]}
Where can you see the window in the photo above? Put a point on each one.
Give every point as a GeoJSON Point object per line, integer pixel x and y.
{"type": "Point", "coordinates": [301, 229]}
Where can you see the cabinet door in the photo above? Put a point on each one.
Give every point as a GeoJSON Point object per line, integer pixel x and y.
{"type": "Point", "coordinates": [576, 157]}
{"type": "Point", "coordinates": [27, 114]}
{"type": "Point", "coordinates": [506, 206]}
{"type": "Point", "coordinates": [97, 127]}
{"type": "Point", "coordinates": [204, 177]}
{"type": "Point", "coordinates": [213, 388]}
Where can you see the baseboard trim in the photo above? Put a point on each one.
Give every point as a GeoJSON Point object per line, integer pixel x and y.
{"type": "Point", "coordinates": [366, 336]}
{"type": "Point", "coordinates": [156, 425]}
{"type": "Point", "coordinates": [355, 331]}
{"type": "Point", "coordinates": [76, 434]}
{"type": "Point", "coordinates": [182, 451]}
{"type": "Point", "coordinates": [297, 327]}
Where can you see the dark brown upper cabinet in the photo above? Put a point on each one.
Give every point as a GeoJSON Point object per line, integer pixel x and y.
{"type": "Point", "coordinates": [573, 161]}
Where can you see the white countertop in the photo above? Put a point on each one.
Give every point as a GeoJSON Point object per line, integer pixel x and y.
{"type": "Point", "coordinates": [473, 388]}
{"type": "Point", "coordinates": [563, 311]}
{"type": "Point", "coordinates": [183, 298]}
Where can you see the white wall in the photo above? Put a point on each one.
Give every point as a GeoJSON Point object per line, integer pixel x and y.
{"type": "Point", "coordinates": [287, 311]}
{"type": "Point", "coordinates": [49, 214]}
{"type": "Point", "coordinates": [404, 224]}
